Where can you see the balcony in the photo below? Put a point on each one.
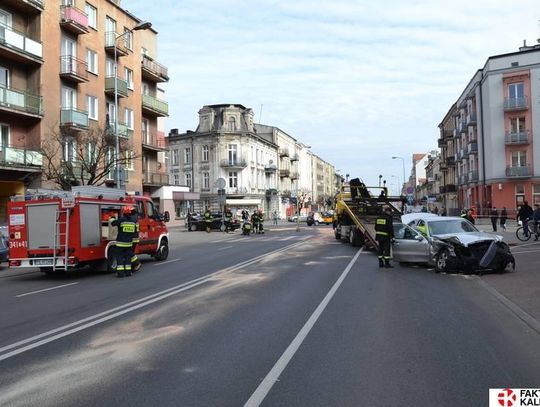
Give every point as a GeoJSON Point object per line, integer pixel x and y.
{"type": "Point", "coordinates": [270, 169]}
{"type": "Point", "coordinates": [294, 157]}
{"type": "Point", "coordinates": [472, 148]}
{"type": "Point", "coordinates": [121, 86]}
{"type": "Point", "coordinates": [459, 155]}
{"type": "Point", "coordinates": [233, 163]}
{"type": "Point", "coordinates": [448, 188]}
{"type": "Point", "coordinates": [236, 192]}
{"type": "Point", "coordinates": [16, 46]}
{"type": "Point", "coordinates": [154, 106]}
{"type": "Point", "coordinates": [518, 171]}
{"type": "Point", "coordinates": [20, 102]}
{"type": "Point", "coordinates": [155, 178]}
{"type": "Point", "coordinates": [450, 161]}
{"type": "Point", "coordinates": [123, 130]}
{"type": "Point", "coordinates": [73, 118]}
{"type": "Point", "coordinates": [283, 152]}
{"type": "Point", "coordinates": [295, 175]}
{"type": "Point", "coordinates": [514, 104]}
{"type": "Point", "coordinates": [471, 119]}
{"type": "Point", "coordinates": [73, 69]}
{"type": "Point", "coordinates": [74, 20]}
{"type": "Point", "coordinates": [473, 176]}
{"type": "Point", "coordinates": [121, 46]}
{"type": "Point", "coordinates": [516, 138]}
{"type": "Point", "coordinates": [21, 157]}
{"type": "Point", "coordinates": [26, 6]}
{"type": "Point", "coordinates": [463, 128]}
{"type": "Point", "coordinates": [441, 142]}
{"type": "Point", "coordinates": [284, 173]}
{"type": "Point", "coordinates": [155, 142]}
{"type": "Point", "coordinates": [153, 71]}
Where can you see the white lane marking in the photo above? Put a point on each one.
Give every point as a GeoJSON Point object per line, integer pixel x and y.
{"type": "Point", "coordinates": [268, 382]}
{"type": "Point", "coordinates": [123, 309]}
{"type": "Point", "coordinates": [45, 289]}
{"type": "Point", "coordinates": [283, 239]}
{"type": "Point", "coordinates": [527, 244]}
{"type": "Point", "coordinates": [219, 241]}
{"type": "Point", "coordinates": [526, 251]}
{"type": "Point", "coordinates": [165, 262]}
{"type": "Point", "coordinates": [224, 248]}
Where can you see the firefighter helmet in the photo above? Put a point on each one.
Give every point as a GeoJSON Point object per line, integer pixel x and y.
{"type": "Point", "coordinates": [126, 210]}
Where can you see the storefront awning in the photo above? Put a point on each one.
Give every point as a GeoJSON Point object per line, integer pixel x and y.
{"type": "Point", "coordinates": [244, 202]}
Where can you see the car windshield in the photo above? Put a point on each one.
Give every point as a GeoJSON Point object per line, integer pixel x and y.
{"type": "Point", "coordinates": [450, 226]}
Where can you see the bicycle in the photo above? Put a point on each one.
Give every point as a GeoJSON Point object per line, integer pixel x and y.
{"type": "Point", "coordinates": [520, 232]}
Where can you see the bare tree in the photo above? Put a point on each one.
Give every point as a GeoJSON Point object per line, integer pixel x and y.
{"type": "Point", "coordinates": [83, 157]}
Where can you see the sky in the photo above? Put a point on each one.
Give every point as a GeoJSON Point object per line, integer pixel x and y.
{"type": "Point", "coordinates": [358, 81]}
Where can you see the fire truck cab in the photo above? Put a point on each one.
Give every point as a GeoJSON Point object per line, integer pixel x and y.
{"type": "Point", "coordinates": [60, 230]}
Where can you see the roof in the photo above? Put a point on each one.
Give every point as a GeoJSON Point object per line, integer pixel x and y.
{"type": "Point", "coordinates": [418, 156]}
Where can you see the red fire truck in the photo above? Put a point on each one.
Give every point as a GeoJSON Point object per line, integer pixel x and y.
{"type": "Point", "coordinates": [60, 230]}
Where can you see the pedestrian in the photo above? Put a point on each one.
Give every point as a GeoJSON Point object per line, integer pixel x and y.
{"type": "Point", "coordinates": [468, 214]}
{"type": "Point", "coordinates": [504, 216]}
{"type": "Point", "coordinates": [384, 234]}
{"type": "Point", "coordinates": [536, 220]}
{"type": "Point", "coordinates": [494, 216]}
{"type": "Point", "coordinates": [124, 241]}
{"type": "Point", "coordinates": [524, 214]}
{"type": "Point", "coordinates": [443, 211]}
{"type": "Point", "coordinates": [275, 217]}
{"type": "Point", "coordinates": [436, 210]}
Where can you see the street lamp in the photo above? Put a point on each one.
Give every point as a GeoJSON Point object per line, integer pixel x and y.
{"type": "Point", "coordinates": [143, 25]}
{"type": "Point", "coordinates": [403, 162]}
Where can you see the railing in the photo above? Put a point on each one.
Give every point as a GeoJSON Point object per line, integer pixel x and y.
{"type": "Point", "coordinates": [156, 178]}
{"type": "Point", "coordinates": [516, 103]}
{"type": "Point", "coordinates": [284, 173]}
{"type": "Point", "coordinates": [473, 176]}
{"type": "Point", "coordinates": [15, 39]}
{"type": "Point", "coordinates": [294, 175]}
{"type": "Point", "coordinates": [20, 156]}
{"type": "Point", "coordinates": [450, 160]}
{"type": "Point", "coordinates": [521, 137]}
{"type": "Point", "coordinates": [154, 140]}
{"type": "Point", "coordinates": [121, 86]}
{"type": "Point", "coordinates": [111, 38]}
{"type": "Point", "coordinates": [283, 152]}
{"type": "Point", "coordinates": [73, 14]}
{"type": "Point", "coordinates": [21, 100]}
{"type": "Point", "coordinates": [156, 105]}
{"type": "Point", "coordinates": [270, 168]}
{"type": "Point", "coordinates": [74, 117]}
{"type": "Point", "coordinates": [238, 163]}
{"type": "Point", "coordinates": [156, 69]}
{"type": "Point", "coordinates": [447, 188]}
{"type": "Point", "coordinates": [518, 171]}
{"type": "Point", "coordinates": [70, 65]}
{"type": "Point", "coordinates": [472, 148]}
{"type": "Point", "coordinates": [294, 157]}
{"type": "Point", "coordinates": [236, 191]}
{"type": "Point", "coordinates": [123, 130]}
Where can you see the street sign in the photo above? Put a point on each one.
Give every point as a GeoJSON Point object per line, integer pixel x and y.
{"type": "Point", "coordinates": [220, 183]}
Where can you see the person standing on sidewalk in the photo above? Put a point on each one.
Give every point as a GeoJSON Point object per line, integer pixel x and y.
{"type": "Point", "coordinates": [494, 215]}
{"type": "Point", "coordinates": [275, 217]}
{"type": "Point", "coordinates": [504, 216]}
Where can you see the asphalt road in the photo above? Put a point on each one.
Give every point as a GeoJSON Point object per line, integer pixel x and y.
{"type": "Point", "coordinates": [282, 319]}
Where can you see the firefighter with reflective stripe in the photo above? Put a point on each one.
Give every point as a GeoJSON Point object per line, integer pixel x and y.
{"type": "Point", "coordinates": [135, 262]}
{"type": "Point", "coordinates": [228, 219]}
{"type": "Point", "coordinates": [124, 241]}
{"type": "Point", "coordinates": [207, 217]}
{"type": "Point", "coordinates": [384, 234]}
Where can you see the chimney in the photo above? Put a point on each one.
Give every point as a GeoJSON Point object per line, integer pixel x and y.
{"type": "Point", "coordinates": [174, 132]}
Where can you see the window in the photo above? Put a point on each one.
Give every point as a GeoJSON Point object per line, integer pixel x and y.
{"type": "Point", "coordinates": [516, 90]}
{"type": "Point", "coordinates": [4, 136]}
{"type": "Point", "coordinates": [68, 98]}
{"type": "Point", "coordinates": [111, 155]}
{"type": "Point", "coordinates": [128, 118]}
{"type": "Point", "coordinates": [519, 158]}
{"type": "Point", "coordinates": [233, 179]}
{"type": "Point", "coordinates": [187, 155]}
{"type": "Point", "coordinates": [520, 195]}
{"type": "Point", "coordinates": [231, 124]}
{"type": "Point", "coordinates": [92, 61]}
{"type": "Point", "coordinates": [109, 67]}
{"type": "Point", "coordinates": [110, 26]}
{"type": "Point", "coordinates": [4, 77]}
{"type": "Point", "coordinates": [188, 180]}
{"type": "Point", "coordinates": [536, 194]}
{"type": "Point", "coordinates": [233, 153]}
{"type": "Point", "coordinates": [111, 113]}
{"type": "Point", "coordinates": [92, 107]}
{"type": "Point", "coordinates": [91, 153]}
{"type": "Point", "coordinates": [5, 18]}
{"type": "Point", "coordinates": [128, 74]}
{"type": "Point", "coordinates": [174, 157]}
{"type": "Point", "coordinates": [205, 153]}
{"type": "Point", "coordinates": [128, 38]}
{"type": "Point", "coordinates": [129, 161]}
{"type": "Point", "coordinates": [70, 150]}
{"type": "Point", "coordinates": [150, 212]}
{"type": "Point", "coordinates": [145, 133]}
{"type": "Point", "coordinates": [91, 12]}
{"type": "Point", "coordinates": [176, 179]}
{"type": "Point", "coordinates": [206, 180]}
{"type": "Point", "coordinates": [517, 125]}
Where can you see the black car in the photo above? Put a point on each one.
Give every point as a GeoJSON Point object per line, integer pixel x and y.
{"type": "Point", "coordinates": [4, 244]}
{"type": "Point", "coordinates": [195, 222]}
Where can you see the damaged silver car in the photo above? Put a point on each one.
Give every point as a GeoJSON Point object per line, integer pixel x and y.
{"type": "Point", "coordinates": [450, 244]}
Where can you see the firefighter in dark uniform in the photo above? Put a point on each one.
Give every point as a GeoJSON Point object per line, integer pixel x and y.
{"type": "Point", "coordinates": [135, 262]}
{"type": "Point", "coordinates": [384, 234]}
{"type": "Point", "coordinates": [228, 219]}
{"type": "Point", "coordinates": [207, 217]}
{"type": "Point", "coordinates": [255, 221]}
{"type": "Point", "coordinates": [124, 241]}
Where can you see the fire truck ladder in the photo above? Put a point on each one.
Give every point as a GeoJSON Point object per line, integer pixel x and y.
{"type": "Point", "coordinates": [61, 238]}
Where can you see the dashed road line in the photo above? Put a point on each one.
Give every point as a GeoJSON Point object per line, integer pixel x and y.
{"type": "Point", "coordinates": [45, 289]}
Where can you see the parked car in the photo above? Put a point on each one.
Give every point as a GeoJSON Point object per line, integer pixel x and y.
{"type": "Point", "coordinates": [293, 218]}
{"type": "Point", "coordinates": [316, 218]}
{"type": "Point", "coordinates": [451, 244]}
{"type": "Point", "coordinates": [4, 244]}
{"type": "Point", "coordinates": [195, 222]}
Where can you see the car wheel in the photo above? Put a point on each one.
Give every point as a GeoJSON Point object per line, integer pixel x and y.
{"type": "Point", "coordinates": [442, 261]}
{"type": "Point", "coordinates": [163, 251]}
{"type": "Point", "coordinates": [193, 227]}
{"type": "Point", "coordinates": [316, 223]}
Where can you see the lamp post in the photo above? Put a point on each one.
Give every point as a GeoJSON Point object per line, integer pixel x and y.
{"type": "Point", "coordinates": [143, 25]}
{"type": "Point", "coordinates": [403, 162]}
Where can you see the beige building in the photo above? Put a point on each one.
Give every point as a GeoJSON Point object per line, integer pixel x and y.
{"type": "Point", "coordinates": [66, 86]}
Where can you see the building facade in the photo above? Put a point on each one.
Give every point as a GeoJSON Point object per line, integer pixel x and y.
{"type": "Point", "coordinates": [74, 74]}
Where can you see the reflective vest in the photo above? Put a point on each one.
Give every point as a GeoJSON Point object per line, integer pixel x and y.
{"type": "Point", "coordinates": [384, 228]}
{"type": "Point", "coordinates": [127, 227]}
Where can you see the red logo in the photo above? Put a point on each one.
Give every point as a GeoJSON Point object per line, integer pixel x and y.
{"type": "Point", "coordinates": [506, 398]}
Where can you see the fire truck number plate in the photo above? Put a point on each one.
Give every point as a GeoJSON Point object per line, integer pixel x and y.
{"type": "Point", "coordinates": [13, 244]}
{"type": "Point", "coordinates": [43, 262]}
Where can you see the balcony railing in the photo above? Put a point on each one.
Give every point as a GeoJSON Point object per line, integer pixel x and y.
{"type": "Point", "coordinates": [27, 6]}
{"type": "Point", "coordinates": [21, 101]}
{"type": "Point", "coordinates": [283, 152]}
{"type": "Point", "coordinates": [521, 137]}
{"type": "Point", "coordinates": [284, 173]}
{"type": "Point", "coordinates": [294, 157]}
{"type": "Point", "coordinates": [447, 188]}
{"type": "Point", "coordinates": [121, 86]}
{"type": "Point", "coordinates": [236, 191]}
{"type": "Point", "coordinates": [473, 176]}
{"type": "Point", "coordinates": [518, 171]}
{"type": "Point", "coordinates": [521, 103]}
{"type": "Point", "coordinates": [23, 47]}
{"type": "Point", "coordinates": [153, 141]}
{"type": "Point", "coordinates": [74, 118]}
{"type": "Point", "coordinates": [155, 178]}
{"type": "Point", "coordinates": [73, 69]}
{"type": "Point", "coordinates": [123, 130]}
{"type": "Point", "coordinates": [472, 148]}
{"type": "Point", "coordinates": [295, 175]}
{"type": "Point", "coordinates": [471, 118]}
{"type": "Point", "coordinates": [20, 157]}
{"type": "Point", "coordinates": [154, 71]}
{"type": "Point", "coordinates": [270, 169]}
{"type": "Point", "coordinates": [238, 163]}
{"type": "Point", "coordinates": [441, 142]}
{"type": "Point", "coordinates": [155, 106]}
{"type": "Point", "coordinates": [450, 160]}
{"type": "Point", "coordinates": [73, 19]}
{"type": "Point", "coordinates": [112, 38]}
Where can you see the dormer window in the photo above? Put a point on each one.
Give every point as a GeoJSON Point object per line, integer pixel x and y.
{"type": "Point", "coordinates": [231, 124]}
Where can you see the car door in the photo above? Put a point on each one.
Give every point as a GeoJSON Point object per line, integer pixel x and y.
{"type": "Point", "coordinates": [409, 246]}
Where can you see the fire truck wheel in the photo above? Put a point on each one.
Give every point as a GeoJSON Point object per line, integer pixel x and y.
{"type": "Point", "coordinates": [163, 251]}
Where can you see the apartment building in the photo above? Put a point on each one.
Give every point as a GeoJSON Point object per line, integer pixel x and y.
{"type": "Point", "coordinates": [494, 122]}
{"type": "Point", "coordinates": [97, 71]}
{"type": "Point", "coordinates": [447, 143]}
